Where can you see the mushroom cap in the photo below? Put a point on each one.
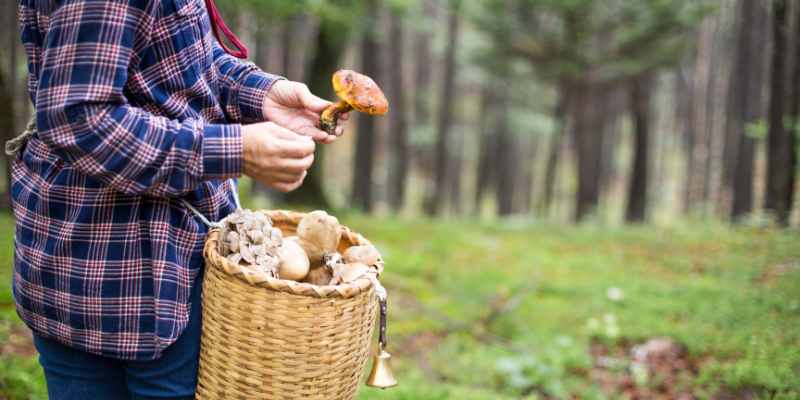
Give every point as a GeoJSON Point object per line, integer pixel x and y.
{"type": "Point", "coordinates": [360, 92]}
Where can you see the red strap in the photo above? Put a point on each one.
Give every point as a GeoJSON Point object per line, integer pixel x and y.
{"type": "Point", "coordinates": [218, 24]}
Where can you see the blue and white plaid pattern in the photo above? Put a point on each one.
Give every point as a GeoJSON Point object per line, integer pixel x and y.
{"type": "Point", "coordinates": [137, 106]}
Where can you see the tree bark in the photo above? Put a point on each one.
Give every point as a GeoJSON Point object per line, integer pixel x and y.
{"type": "Point", "coordinates": [445, 113]}
{"type": "Point", "coordinates": [587, 142]}
{"type": "Point", "coordinates": [330, 44]}
{"type": "Point", "coordinates": [640, 94]}
{"type": "Point", "coordinates": [779, 149]}
{"type": "Point", "coordinates": [486, 163]}
{"type": "Point", "coordinates": [794, 109]}
{"type": "Point", "coordinates": [747, 105]}
{"type": "Point", "coordinates": [398, 119]}
{"type": "Point", "coordinates": [555, 145]}
{"type": "Point", "coordinates": [528, 176]}
{"type": "Point", "coordinates": [9, 99]}
{"type": "Point", "coordinates": [361, 196]}
{"type": "Point", "coordinates": [287, 42]}
{"type": "Point", "coordinates": [422, 72]}
{"type": "Point", "coordinates": [505, 157]}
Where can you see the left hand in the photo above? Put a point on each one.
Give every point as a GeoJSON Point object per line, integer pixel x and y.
{"type": "Point", "coordinates": [291, 105]}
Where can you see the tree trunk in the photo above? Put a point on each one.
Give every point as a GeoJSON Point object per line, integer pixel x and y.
{"type": "Point", "coordinates": [9, 99]}
{"type": "Point", "coordinates": [445, 113]}
{"type": "Point", "coordinates": [422, 157]}
{"type": "Point", "coordinates": [505, 157]}
{"type": "Point", "coordinates": [455, 154]}
{"type": "Point", "coordinates": [486, 162]}
{"type": "Point", "coordinates": [528, 176]}
{"type": "Point", "coordinates": [422, 74]}
{"type": "Point", "coordinates": [794, 109]}
{"type": "Point", "coordinates": [587, 142]}
{"type": "Point", "coordinates": [640, 94]}
{"type": "Point", "coordinates": [747, 106]}
{"type": "Point", "coordinates": [287, 42]}
{"type": "Point", "coordinates": [261, 58]}
{"type": "Point", "coordinates": [555, 145]}
{"type": "Point", "coordinates": [361, 196]}
{"type": "Point", "coordinates": [779, 149]}
{"type": "Point", "coordinates": [330, 44]}
{"type": "Point", "coordinates": [398, 119]}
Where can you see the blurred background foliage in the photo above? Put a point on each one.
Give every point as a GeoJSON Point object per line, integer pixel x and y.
{"type": "Point", "coordinates": [667, 128]}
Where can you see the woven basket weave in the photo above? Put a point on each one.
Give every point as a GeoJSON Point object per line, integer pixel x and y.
{"type": "Point", "coordinates": [267, 338]}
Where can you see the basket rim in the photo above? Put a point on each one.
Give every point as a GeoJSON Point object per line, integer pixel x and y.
{"type": "Point", "coordinates": [262, 280]}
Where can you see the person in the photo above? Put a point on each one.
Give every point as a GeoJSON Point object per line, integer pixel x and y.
{"type": "Point", "coordinates": [138, 107]}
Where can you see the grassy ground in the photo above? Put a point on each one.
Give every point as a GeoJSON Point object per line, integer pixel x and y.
{"type": "Point", "coordinates": [512, 310]}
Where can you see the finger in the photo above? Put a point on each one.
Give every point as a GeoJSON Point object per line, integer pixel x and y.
{"type": "Point", "coordinates": [300, 147]}
{"type": "Point", "coordinates": [311, 101]}
{"type": "Point", "coordinates": [330, 139]}
{"type": "Point", "coordinates": [344, 116]}
{"type": "Point", "coordinates": [288, 187]}
{"type": "Point", "coordinates": [296, 165]}
{"type": "Point", "coordinates": [285, 177]}
{"type": "Point", "coordinates": [312, 132]}
{"type": "Point", "coordinates": [339, 130]}
{"type": "Point", "coordinates": [281, 132]}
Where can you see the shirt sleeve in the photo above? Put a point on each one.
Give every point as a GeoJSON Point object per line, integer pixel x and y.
{"type": "Point", "coordinates": [243, 87]}
{"type": "Point", "coordinates": [83, 115]}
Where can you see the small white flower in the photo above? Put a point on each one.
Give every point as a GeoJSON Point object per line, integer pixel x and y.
{"type": "Point", "coordinates": [615, 294]}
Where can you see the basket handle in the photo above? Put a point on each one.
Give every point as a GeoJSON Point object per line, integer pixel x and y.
{"type": "Point", "coordinates": [203, 218]}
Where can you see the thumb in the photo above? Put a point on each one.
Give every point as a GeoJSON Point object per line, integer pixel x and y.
{"type": "Point", "coordinates": [313, 102]}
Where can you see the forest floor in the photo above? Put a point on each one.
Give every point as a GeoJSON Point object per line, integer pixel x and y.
{"type": "Point", "coordinates": [517, 310]}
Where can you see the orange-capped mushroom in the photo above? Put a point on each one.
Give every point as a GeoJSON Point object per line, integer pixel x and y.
{"type": "Point", "coordinates": [356, 92]}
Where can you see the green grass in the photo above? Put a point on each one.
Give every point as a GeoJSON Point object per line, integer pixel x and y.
{"type": "Point", "coordinates": [731, 296]}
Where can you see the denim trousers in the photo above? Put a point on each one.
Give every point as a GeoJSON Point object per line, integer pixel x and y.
{"type": "Point", "coordinates": [76, 375]}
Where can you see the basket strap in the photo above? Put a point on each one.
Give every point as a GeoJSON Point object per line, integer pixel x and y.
{"type": "Point", "coordinates": [203, 218]}
{"type": "Point", "coordinates": [15, 144]}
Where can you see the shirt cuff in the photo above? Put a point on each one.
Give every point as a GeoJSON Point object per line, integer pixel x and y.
{"type": "Point", "coordinates": [222, 151]}
{"type": "Point", "coordinates": [252, 93]}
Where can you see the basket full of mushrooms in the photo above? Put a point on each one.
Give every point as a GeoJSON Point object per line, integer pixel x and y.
{"type": "Point", "coordinates": [289, 303]}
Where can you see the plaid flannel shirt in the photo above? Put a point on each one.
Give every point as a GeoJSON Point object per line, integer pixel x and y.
{"type": "Point", "coordinates": [137, 106]}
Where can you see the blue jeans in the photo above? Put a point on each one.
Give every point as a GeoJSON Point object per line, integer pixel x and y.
{"type": "Point", "coordinates": [76, 375]}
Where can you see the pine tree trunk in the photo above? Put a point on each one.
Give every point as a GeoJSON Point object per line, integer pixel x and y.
{"type": "Point", "coordinates": [484, 174]}
{"type": "Point", "coordinates": [445, 113]}
{"type": "Point", "coordinates": [287, 42]}
{"type": "Point", "coordinates": [528, 176]}
{"type": "Point", "coordinates": [422, 74]}
{"type": "Point", "coordinates": [361, 196]}
{"type": "Point", "coordinates": [261, 58]}
{"type": "Point", "coordinates": [398, 119]}
{"type": "Point", "coordinates": [640, 94]}
{"type": "Point", "coordinates": [422, 157]}
{"type": "Point", "coordinates": [587, 143]}
{"type": "Point", "coordinates": [555, 145]}
{"type": "Point", "coordinates": [455, 154]}
{"type": "Point", "coordinates": [748, 105]}
{"type": "Point", "coordinates": [779, 150]}
{"type": "Point", "coordinates": [505, 157]}
{"type": "Point", "coordinates": [330, 44]}
{"type": "Point", "coordinates": [8, 92]}
{"type": "Point", "coordinates": [794, 109]}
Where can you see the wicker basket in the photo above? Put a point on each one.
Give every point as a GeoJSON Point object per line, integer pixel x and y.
{"type": "Point", "coordinates": [267, 338]}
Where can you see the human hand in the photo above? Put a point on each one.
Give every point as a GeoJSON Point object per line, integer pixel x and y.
{"type": "Point", "coordinates": [276, 156]}
{"type": "Point", "coordinates": [291, 105]}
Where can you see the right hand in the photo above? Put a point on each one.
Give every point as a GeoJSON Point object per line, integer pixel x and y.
{"type": "Point", "coordinates": [275, 156]}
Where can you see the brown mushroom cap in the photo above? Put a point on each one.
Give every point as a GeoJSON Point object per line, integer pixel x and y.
{"type": "Point", "coordinates": [360, 92]}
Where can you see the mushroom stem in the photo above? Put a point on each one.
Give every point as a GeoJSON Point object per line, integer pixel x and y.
{"type": "Point", "coordinates": [330, 117]}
